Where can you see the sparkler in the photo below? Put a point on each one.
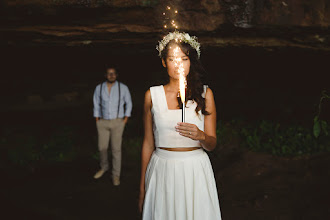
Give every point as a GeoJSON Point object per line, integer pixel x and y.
{"type": "Point", "coordinates": [177, 60]}
{"type": "Point", "coordinates": [182, 81]}
{"type": "Point", "coordinates": [183, 96]}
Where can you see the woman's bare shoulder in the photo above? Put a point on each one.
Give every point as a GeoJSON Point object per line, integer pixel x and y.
{"type": "Point", "coordinates": [209, 93]}
{"type": "Point", "coordinates": [147, 98]}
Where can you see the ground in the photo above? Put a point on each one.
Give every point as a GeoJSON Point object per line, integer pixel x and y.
{"type": "Point", "coordinates": [251, 186]}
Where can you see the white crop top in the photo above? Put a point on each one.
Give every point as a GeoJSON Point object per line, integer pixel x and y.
{"type": "Point", "coordinates": [165, 120]}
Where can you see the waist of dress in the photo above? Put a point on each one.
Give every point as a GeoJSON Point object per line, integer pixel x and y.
{"type": "Point", "coordinates": [166, 154]}
{"type": "Point", "coordinates": [179, 148]}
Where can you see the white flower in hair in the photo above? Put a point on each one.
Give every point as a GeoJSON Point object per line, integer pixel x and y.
{"type": "Point", "coordinates": [185, 37]}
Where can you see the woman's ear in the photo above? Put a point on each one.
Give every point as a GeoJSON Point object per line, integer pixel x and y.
{"type": "Point", "coordinates": [164, 63]}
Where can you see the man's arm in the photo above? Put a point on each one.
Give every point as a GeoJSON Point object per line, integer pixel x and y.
{"type": "Point", "coordinates": [96, 102]}
{"type": "Point", "coordinates": [129, 105]}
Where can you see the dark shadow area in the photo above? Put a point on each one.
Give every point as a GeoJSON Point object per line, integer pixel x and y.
{"type": "Point", "coordinates": [49, 152]}
{"type": "Point", "coordinates": [267, 81]}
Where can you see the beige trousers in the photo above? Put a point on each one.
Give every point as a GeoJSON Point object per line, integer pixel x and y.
{"type": "Point", "coordinates": [110, 130]}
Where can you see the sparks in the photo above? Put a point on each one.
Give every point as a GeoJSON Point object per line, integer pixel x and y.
{"type": "Point", "coordinates": [182, 79]}
{"type": "Point", "coordinates": [169, 22]}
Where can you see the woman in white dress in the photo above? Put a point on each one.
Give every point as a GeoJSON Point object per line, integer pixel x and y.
{"type": "Point", "coordinates": [177, 180]}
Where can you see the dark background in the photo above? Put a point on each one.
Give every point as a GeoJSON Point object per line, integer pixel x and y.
{"type": "Point", "coordinates": [265, 60]}
{"type": "Point", "coordinates": [282, 84]}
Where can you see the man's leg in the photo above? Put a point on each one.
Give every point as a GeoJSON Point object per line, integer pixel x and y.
{"type": "Point", "coordinates": [103, 131]}
{"type": "Point", "coordinates": [117, 129]}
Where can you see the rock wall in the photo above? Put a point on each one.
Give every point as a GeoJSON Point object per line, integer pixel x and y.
{"type": "Point", "coordinates": [293, 12]}
{"type": "Point", "coordinates": [199, 15]}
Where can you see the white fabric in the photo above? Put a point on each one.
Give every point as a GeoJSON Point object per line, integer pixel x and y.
{"type": "Point", "coordinates": [165, 120]}
{"type": "Point", "coordinates": [180, 186]}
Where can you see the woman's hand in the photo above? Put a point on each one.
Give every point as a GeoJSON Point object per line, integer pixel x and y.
{"type": "Point", "coordinates": [190, 131]}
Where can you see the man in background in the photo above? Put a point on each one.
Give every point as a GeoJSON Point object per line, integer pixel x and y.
{"type": "Point", "coordinates": [112, 108]}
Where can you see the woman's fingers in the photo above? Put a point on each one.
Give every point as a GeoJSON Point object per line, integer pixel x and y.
{"type": "Point", "coordinates": [188, 134]}
{"type": "Point", "coordinates": [186, 127]}
{"type": "Point", "coordinates": [187, 130]}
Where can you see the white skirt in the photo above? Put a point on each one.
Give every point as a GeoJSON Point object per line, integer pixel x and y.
{"type": "Point", "coordinates": [180, 185]}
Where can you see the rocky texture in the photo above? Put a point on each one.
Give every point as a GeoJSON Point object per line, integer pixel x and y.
{"type": "Point", "coordinates": [237, 12]}
{"type": "Point", "coordinates": [293, 12]}
{"type": "Point", "coordinates": [265, 23]}
{"type": "Point", "coordinates": [139, 36]}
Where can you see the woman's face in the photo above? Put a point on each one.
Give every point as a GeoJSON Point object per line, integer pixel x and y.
{"type": "Point", "coordinates": [176, 58]}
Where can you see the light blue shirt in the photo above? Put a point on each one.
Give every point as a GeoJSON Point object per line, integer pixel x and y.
{"type": "Point", "coordinates": [109, 101]}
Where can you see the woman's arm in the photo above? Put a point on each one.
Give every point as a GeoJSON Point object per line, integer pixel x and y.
{"type": "Point", "coordinates": [148, 145]}
{"type": "Point", "coordinates": [209, 141]}
{"type": "Point", "coordinates": [208, 138]}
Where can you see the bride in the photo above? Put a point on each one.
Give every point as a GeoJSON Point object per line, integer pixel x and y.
{"type": "Point", "coordinates": [177, 180]}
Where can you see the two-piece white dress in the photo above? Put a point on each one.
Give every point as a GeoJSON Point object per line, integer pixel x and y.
{"type": "Point", "coordinates": [179, 185]}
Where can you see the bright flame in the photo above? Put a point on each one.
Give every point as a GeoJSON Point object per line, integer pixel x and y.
{"type": "Point", "coordinates": [182, 79]}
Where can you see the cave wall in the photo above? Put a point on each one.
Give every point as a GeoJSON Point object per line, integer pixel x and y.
{"type": "Point", "coordinates": [293, 12]}
{"type": "Point", "coordinates": [206, 14]}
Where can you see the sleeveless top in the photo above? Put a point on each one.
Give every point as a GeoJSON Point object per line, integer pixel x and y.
{"type": "Point", "coordinates": [165, 120]}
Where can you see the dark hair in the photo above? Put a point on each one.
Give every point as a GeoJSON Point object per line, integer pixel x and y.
{"type": "Point", "coordinates": [111, 67]}
{"type": "Point", "coordinates": [194, 79]}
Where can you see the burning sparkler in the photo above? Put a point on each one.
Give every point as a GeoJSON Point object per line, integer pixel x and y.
{"type": "Point", "coordinates": [183, 83]}
{"type": "Point", "coordinates": [182, 80]}
{"type": "Point", "coordinates": [177, 60]}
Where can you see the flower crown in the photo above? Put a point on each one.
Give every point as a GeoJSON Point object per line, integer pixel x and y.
{"type": "Point", "coordinates": [192, 40]}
